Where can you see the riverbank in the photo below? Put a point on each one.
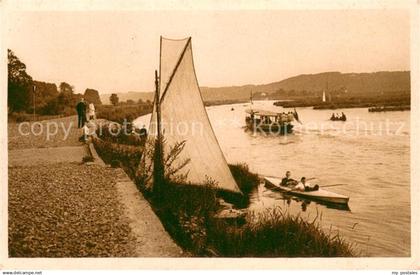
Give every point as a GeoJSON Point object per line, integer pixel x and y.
{"type": "Point", "coordinates": [390, 108]}
{"type": "Point", "coordinates": [224, 102]}
{"type": "Point", "coordinates": [188, 213]}
{"type": "Point", "coordinates": [121, 113]}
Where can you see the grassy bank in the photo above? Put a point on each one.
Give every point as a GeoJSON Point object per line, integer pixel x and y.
{"type": "Point", "coordinates": [390, 108]}
{"type": "Point", "coordinates": [245, 179]}
{"type": "Point", "coordinates": [275, 233]}
{"type": "Point", "coordinates": [121, 113]}
{"type": "Point", "coordinates": [224, 102]}
{"type": "Point", "coordinates": [188, 214]}
{"type": "Point", "coordinates": [120, 134]}
{"type": "Point", "coordinates": [22, 116]}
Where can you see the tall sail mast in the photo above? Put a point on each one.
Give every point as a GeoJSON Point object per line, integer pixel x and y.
{"type": "Point", "coordinates": [158, 173]}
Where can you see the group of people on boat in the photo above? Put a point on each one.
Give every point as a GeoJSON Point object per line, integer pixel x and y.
{"type": "Point", "coordinates": [286, 116]}
{"type": "Point", "coordinates": [280, 118]}
{"type": "Point", "coordinates": [295, 185]}
{"type": "Point", "coordinates": [338, 117]}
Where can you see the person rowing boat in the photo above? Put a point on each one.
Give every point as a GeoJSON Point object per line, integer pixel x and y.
{"type": "Point", "coordinates": [287, 181]}
{"type": "Point", "coordinates": [298, 186]}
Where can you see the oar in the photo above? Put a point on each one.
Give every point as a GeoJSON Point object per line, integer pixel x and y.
{"type": "Point", "coordinates": [334, 185]}
{"type": "Point", "coordinates": [331, 185]}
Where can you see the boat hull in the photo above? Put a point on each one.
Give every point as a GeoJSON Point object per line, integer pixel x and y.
{"type": "Point", "coordinates": [274, 128]}
{"type": "Point", "coordinates": [318, 195]}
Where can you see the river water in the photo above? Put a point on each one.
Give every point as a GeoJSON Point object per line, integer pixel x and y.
{"type": "Point", "coordinates": [368, 155]}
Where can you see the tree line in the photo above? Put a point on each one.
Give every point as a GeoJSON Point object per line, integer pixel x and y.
{"type": "Point", "coordinates": [114, 99]}
{"type": "Point", "coordinates": [30, 96]}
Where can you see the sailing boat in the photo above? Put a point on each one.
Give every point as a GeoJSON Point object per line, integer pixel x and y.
{"type": "Point", "coordinates": [179, 112]}
{"type": "Point", "coordinates": [323, 96]}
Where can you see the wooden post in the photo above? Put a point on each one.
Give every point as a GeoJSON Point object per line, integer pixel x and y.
{"type": "Point", "coordinates": [158, 171]}
{"type": "Point", "coordinates": [157, 100]}
{"type": "Point", "coordinates": [33, 94]}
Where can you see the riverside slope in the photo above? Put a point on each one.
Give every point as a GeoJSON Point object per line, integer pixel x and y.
{"type": "Point", "coordinates": [60, 207]}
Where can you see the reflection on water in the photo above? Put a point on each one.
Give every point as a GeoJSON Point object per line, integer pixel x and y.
{"type": "Point", "coordinates": [369, 155]}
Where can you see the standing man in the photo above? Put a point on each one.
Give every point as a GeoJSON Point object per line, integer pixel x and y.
{"type": "Point", "coordinates": [81, 113]}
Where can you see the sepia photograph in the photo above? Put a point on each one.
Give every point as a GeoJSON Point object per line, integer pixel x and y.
{"type": "Point", "coordinates": [182, 132]}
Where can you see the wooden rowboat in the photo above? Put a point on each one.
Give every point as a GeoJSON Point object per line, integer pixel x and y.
{"type": "Point", "coordinates": [319, 195]}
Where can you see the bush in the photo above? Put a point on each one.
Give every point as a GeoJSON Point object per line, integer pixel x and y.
{"type": "Point", "coordinates": [87, 159]}
{"type": "Point", "coordinates": [119, 135]}
{"type": "Point", "coordinates": [246, 180]}
{"type": "Point", "coordinates": [128, 156]}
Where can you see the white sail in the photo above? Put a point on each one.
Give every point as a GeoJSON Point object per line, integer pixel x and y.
{"type": "Point", "coordinates": [323, 96]}
{"type": "Point", "coordinates": [183, 117]}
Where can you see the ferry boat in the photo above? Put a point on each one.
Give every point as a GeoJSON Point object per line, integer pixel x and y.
{"type": "Point", "coordinates": [268, 121]}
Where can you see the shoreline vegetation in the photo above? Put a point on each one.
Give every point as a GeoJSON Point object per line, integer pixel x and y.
{"type": "Point", "coordinates": [188, 212]}
{"type": "Point", "coordinates": [399, 103]}
{"type": "Point", "coordinates": [131, 111]}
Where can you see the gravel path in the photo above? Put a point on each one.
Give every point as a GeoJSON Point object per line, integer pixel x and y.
{"type": "Point", "coordinates": [28, 157]}
{"type": "Point", "coordinates": [78, 217]}
{"type": "Point", "coordinates": [41, 134]}
{"type": "Point", "coordinates": [61, 207]}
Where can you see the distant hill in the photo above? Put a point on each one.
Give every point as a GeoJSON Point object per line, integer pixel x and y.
{"type": "Point", "coordinates": [313, 84]}
{"type": "Point", "coordinates": [357, 84]}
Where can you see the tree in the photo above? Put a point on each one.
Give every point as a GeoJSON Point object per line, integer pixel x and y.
{"type": "Point", "coordinates": [19, 83]}
{"type": "Point", "coordinates": [130, 102]}
{"type": "Point", "coordinates": [66, 88]}
{"type": "Point", "coordinates": [114, 99]}
{"type": "Point", "coordinates": [65, 97]}
{"type": "Point", "coordinates": [92, 96]}
{"type": "Point", "coordinates": [45, 93]}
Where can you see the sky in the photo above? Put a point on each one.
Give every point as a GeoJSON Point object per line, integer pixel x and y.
{"type": "Point", "coordinates": [119, 51]}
